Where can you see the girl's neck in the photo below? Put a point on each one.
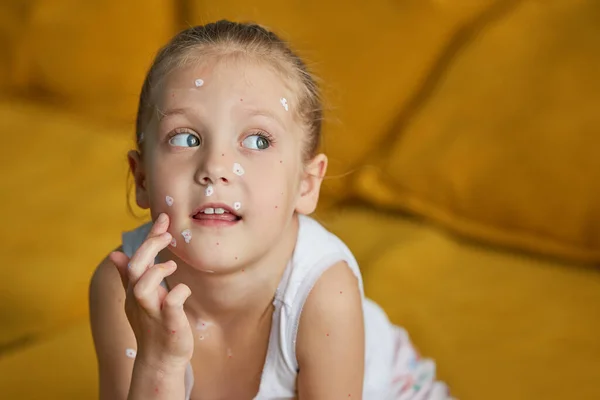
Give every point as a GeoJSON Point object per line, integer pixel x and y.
{"type": "Point", "coordinates": [226, 299]}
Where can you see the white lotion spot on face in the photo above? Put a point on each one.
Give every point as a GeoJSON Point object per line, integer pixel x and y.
{"type": "Point", "coordinates": [187, 235]}
{"type": "Point", "coordinates": [209, 190]}
{"type": "Point", "coordinates": [237, 205]}
{"type": "Point", "coordinates": [238, 169]}
{"type": "Point", "coordinates": [130, 353]}
{"type": "Point", "coordinates": [284, 103]}
{"type": "Point", "coordinates": [198, 82]}
{"type": "Point", "coordinates": [169, 200]}
{"type": "Point", "coordinates": [173, 242]}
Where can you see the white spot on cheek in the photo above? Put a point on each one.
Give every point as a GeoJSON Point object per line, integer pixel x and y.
{"type": "Point", "coordinates": [169, 200]}
{"type": "Point", "coordinates": [187, 235]}
{"type": "Point", "coordinates": [173, 242]}
{"type": "Point", "coordinates": [198, 82]}
{"type": "Point", "coordinates": [130, 353]}
{"type": "Point", "coordinates": [209, 190]}
{"type": "Point", "coordinates": [238, 169]}
{"type": "Point", "coordinates": [237, 205]}
{"type": "Point", "coordinates": [284, 103]}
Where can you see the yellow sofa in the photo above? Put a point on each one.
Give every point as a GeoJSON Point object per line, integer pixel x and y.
{"type": "Point", "coordinates": [464, 175]}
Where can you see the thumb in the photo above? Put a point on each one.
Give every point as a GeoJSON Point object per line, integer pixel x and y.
{"type": "Point", "coordinates": [121, 262]}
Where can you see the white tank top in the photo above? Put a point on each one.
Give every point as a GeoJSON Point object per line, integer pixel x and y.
{"type": "Point", "coordinates": [391, 364]}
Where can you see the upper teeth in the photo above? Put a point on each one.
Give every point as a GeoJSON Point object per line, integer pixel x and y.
{"type": "Point", "coordinates": [210, 210]}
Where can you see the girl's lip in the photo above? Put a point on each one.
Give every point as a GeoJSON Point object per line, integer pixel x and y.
{"type": "Point", "coordinates": [215, 205]}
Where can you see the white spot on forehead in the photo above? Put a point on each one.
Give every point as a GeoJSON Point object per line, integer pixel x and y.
{"type": "Point", "coordinates": [169, 200]}
{"type": "Point", "coordinates": [199, 82]}
{"type": "Point", "coordinates": [238, 169]}
{"type": "Point", "coordinates": [209, 190]}
{"type": "Point", "coordinates": [187, 235]}
{"type": "Point", "coordinates": [284, 103]}
{"type": "Point", "coordinates": [131, 353]}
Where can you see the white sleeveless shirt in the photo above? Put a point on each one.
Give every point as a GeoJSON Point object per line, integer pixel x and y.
{"type": "Point", "coordinates": [393, 370]}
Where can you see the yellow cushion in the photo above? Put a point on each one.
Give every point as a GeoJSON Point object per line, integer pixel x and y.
{"type": "Point", "coordinates": [63, 197]}
{"type": "Point", "coordinates": [500, 325]}
{"type": "Point", "coordinates": [14, 16]}
{"type": "Point", "coordinates": [371, 56]}
{"type": "Point", "coordinates": [92, 56]}
{"type": "Point", "coordinates": [504, 144]}
{"type": "Point", "coordinates": [57, 368]}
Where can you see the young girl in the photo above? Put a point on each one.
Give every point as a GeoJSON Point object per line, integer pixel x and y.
{"type": "Point", "coordinates": [233, 292]}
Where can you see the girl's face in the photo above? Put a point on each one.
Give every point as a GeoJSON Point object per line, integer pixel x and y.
{"type": "Point", "coordinates": [223, 158]}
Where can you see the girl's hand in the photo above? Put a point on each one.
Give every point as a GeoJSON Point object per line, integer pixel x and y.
{"type": "Point", "coordinates": [162, 330]}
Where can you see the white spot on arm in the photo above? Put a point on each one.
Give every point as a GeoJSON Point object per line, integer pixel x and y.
{"type": "Point", "coordinates": [130, 353]}
{"type": "Point", "coordinates": [169, 201]}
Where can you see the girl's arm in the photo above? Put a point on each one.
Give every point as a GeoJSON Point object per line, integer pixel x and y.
{"type": "Point", "coordinates": [330, 346]}
{"type": "Point", "coordinates": [113, 337]}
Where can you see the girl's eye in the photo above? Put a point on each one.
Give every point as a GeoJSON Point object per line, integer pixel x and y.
{"type": "Point", "coordinates": [184, 140]}
{"type": "Point", "coordinates": [256, 142]}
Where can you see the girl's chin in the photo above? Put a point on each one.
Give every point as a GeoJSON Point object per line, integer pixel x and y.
{"type": "Point", "coordinates": [215, 262]}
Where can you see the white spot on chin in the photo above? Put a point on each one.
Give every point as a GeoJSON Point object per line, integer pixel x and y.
{"type": "Point", "coordinates": [198, 82]}
{"type": "Point", "coordinates": [173, 242]}
{"type": "Point", "coordinates": [169, 200]}
{"type": "Point", "coordinates": [209, 190]}
{"type": "Point", "coordinates": [237, 205]}
{"type": "Point", "coordinates": [284, 103]}
{"type": "Point", "coordinates": [238, 169]}
{"type": "Point", "coordinates": [130, 353]}
{"type": "Point", "coordinates": [187, 235]}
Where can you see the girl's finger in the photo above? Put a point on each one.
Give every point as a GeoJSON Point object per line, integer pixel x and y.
{"type": "Point", "coordinates": [146, 289]}
{"type": "Point", "coordinates": [172, 306]}
{"type": "Point", "coordinates": [120, 260]}
{"type": "Point", "coordinates": [145, 255]}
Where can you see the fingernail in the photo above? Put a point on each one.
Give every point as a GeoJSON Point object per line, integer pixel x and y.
{"type": "Point", "coordinates": [161, 218]}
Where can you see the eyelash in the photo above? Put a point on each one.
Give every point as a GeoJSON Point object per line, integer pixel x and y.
{"type": "Point", "coordinates": [262, 134]}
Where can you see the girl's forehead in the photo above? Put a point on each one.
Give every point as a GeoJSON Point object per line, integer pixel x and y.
{"type": "Point", "coordinates": [249, 79]}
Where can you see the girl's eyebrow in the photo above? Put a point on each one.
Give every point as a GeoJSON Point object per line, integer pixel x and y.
{"type": "Point", "coordinates": [256, 112]}
{"type": "Point", "coordinates": [170, 112]}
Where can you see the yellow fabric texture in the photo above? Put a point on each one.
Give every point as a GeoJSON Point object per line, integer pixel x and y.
{"type": "Point", "coordinates": [501, 143]}
{"type": "Point", "coordinates": [501, 325]}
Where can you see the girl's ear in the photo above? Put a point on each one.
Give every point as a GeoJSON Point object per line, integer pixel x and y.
{"type": "Point", "coordinates": [310, 185]}
{"type": "Point", "coordinates": [137, 170]}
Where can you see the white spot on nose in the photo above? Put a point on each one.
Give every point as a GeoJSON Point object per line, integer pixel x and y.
{"type": "Point", "coordinates": [238, 169]}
